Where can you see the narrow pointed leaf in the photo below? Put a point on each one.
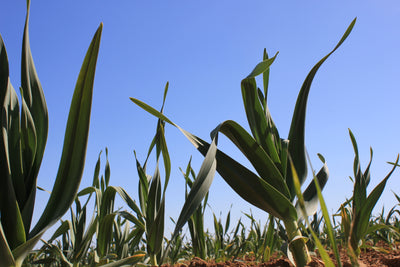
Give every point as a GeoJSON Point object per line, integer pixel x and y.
{"type": "Point", "coordinates": [260, 160]}
{"type": "Point", "coordinates": [199, 189]}
{"type": "Point", "coordinates": [74, 150]}
{"type": "Point", "coordinates": [107, 170]}
{"type": "Point", "coordinates": [297, 127]}
{"type": "Point", "coordinates": [33, 94]}
{"type": "Point", "coordinates": [104, 236]}
{"type": "Point", "coordinates": [156, 232]}
{"type": "Point", "coordinates": [321, 249]}
{"type": "Point", "coordinates": [249, 186]}
{"type": "Point", "coordinates": [262, 67]}
{"type": "Point", "coordinates": [11, 217]}
{"type": "Point", "coordinates": [154, 198]}
{"type": "Point", "coordinates": [265, 80]}
{"type": "Point", "coordinates": [361, 221]}
{"type": "Point", "coordinates": [128, 200]}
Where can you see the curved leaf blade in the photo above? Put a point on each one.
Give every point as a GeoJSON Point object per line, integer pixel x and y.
{"type": "Point", "coordinates": [76, 135]}
{"type": "Point", "coordinates": [310, 195]}
{"type": "Point", "coordinates": [199, 188]}
{"type": "Point", "coordinates": [249, 186]}
{"type": "Point", "coordinates": [297, 127]}
{"type": "Point", "coordinates": [257, 156]}
{"type": "Point", "coordinates": [32, 92]}
{"type": "Point", "coordinates": [361, 220]}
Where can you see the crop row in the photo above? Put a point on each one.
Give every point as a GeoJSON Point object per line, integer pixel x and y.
{"type": "Point", "coordinates": [135, 233]}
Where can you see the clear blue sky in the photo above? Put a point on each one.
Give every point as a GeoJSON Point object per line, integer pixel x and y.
{"type": "Point", "coordinates": [204, 49]}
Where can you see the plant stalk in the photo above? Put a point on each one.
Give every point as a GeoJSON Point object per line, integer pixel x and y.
{"type": "Point", "coordinates": [153, 260]}
{"type": "Point", "coordinates": [297, 244]}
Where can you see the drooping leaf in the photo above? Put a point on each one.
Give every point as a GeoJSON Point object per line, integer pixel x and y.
{"type": "Point", "coordinates": [297, 127]}
{"type": "Point", "coordinates": [310, 195]}
{"type": "Point", "coordinates": [248, 185]}
{"type": "Point", "coordinates": [260, 160]}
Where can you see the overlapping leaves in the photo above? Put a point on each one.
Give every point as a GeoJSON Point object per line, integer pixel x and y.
{"type": "Point", "coordinates": [22, 142]}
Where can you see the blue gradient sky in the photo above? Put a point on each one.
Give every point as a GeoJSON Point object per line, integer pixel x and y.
{"type": "Point", "coordinates": [204, 49]}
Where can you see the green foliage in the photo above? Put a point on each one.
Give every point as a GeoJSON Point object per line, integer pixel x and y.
{"type": "Point", "coordinates": [272, 188]}
{"type": "Point", "coordinates": [23, 140]}
{"type": "Point", "coordinates": [116, 237]}
{"type": "Point", "coordinates": [111, 234]}
{"type": "Point", "coordinates": [356, 212]}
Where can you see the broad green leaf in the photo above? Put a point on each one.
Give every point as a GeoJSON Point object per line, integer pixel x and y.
{"type": "Point", "coordinates": [104, 235]}
{"type": "Point", "coordinates": [24, 249]}
{"type": "Point", "coordinates": [154, 198]}
{"type": "Point", "coordinates": [11, 218]}
{"type": "Point", "coordinates": [76, 135]}
{"type": "Point", "coordinates": [162, 144]}
{"type": "Point", "coordinates": [249, 186]}
{"type": "Point", "coordinates": [28, 143]}
{"type": "Point", "coordinates": [297, 127]}
{"type": "Point", "coordinates": [143, 187]}
{"type": "Point", "coordinates": [260, 160]}
{"type": "Point", "coordinates": [155, 234]}
{"type": "Point", "coordinates": [29, 137]}
{"type": "Point", "coordinates": [260, 121]}
{"type": "Point", "coordinates": [107, 202]}
{"type": "Point", "coordinates": [63, 228]}
{"type": "Point", "coordinates": [252, 188]}
{"type": "Point", "coordinates": [257, 118]}
{"type": "Point", "coordinates": [14, 145]}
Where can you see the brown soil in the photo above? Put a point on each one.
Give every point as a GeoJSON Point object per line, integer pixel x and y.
{"type": "Point", "coordinates": [383, 255]}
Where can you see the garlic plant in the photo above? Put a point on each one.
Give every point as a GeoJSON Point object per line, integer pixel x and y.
{"type": "Point", "coordinates": [23, 139]}
{"type": "Point", "coordinates": [272, 188]}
